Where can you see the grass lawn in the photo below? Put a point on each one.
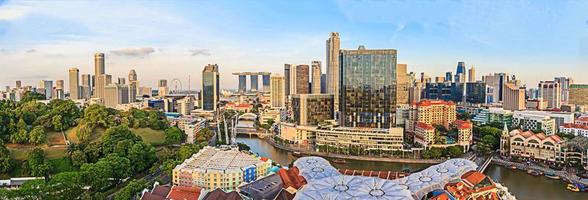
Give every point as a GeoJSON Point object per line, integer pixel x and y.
{"type": "Point", "coordinates": [20, 152]}
{"type": "Point", "coordinates": [55, 138]}
{"type": "Point", "coordinates": [154, 137]}
{"type": "Point", "coordinates": [72, 136]}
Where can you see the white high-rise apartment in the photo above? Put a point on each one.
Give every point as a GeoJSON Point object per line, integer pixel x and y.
{"type": "Point", "coordinates": [277, 91]}
{"type": "Point", "coordinates": [550, 91]}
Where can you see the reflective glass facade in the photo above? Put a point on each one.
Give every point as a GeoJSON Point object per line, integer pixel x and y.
{"type": "Point", "coordinates": [368, 87]}
{"type": "Point", "coordinates": [210, 87]}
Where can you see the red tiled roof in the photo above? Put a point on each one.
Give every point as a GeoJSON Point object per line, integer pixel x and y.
{"type": "Point", "coordinates": [583, 119]}
{"type": "Point", "coordinates": [434, 102]}
{"type": "Point", "coordinates": [463, 124]}
{"type": "Point", "coordinates": [576, 126]}
{"type": "Point", "coordinates": [424, 126]}
{"type": "Point", "coordinates": [264, 159]}
{"type": "Point", "coordinates": [291, 178]}
{"type": "Point", "coordinates": [184, 193]}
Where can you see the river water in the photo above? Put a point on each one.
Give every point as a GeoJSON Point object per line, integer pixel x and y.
{"type": "Point", "coordinates": [522, 185]}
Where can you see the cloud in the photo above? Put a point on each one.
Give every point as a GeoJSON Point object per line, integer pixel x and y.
{"type": "Point", "coordinates": [31, 51]}
{"type": "Point", "coordinates": [13, 12]}
{"type": "Point", "coordinates": [199, 52]}
{"type": "Point", "coordinates": [133, 52]}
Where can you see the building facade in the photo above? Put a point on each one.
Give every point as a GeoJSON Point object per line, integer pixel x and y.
{"type": "Point", "coordinates": [74, 83]}
{"type": "Point", "coordinates": [513, 97]}
{"type": "Point", "coordinates": [115, 94]}
{"type": "Point", "coordinates": [551, 92]}
{"type": "Point", "coordinates": [316, 77]}
{"type": "Point", "coordinates": [534, 120]}
{"type": "Point", "coordinates": [367, 95]}
{"type": "Point", "coordinates": [311, 109]}
{"type": "Point", "coordinates": [360, 138]}
{"type": "Point", "coordinates": [277, 91]}
{"type": "Point", "coordinates": [210, 87]}
{"type": "Point", "coordinates": [579, 94]}
{"type": "Point", "coordinates": [333, 47]}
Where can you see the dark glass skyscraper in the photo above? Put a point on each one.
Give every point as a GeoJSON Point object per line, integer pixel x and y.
{"type": "Point", "coordinates": [210, 87]}
{"type": "Point", "coordinates": [368, 87]}
{"type": "Point", "coordinates": [448, 77]}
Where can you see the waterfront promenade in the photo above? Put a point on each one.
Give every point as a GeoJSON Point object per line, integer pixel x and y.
{"type": "Point", "coordinates": [524, 166]}
{"type": "Point", "coordinates": [311, 152]}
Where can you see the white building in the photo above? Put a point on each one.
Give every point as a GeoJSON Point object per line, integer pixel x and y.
{"type": "Point", "coordinates": [534, 120]}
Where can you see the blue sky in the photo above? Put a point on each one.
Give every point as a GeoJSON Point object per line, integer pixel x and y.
{"type": "Point", "coordinates": [535, 40]}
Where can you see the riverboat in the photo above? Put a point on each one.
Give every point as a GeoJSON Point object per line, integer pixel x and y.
{"type": "Point", "coordinates": [339, 161]}
{"type": "Point", "coordinates": [533, 172]}
{"type": "Point", "coordinates": [297, 154]}
{"type": "Point", "coordinates": [576, 187]}
{"type": "Point", "coordinates": [552, 175]}
{"type": "Point", "coordinates": [513, 167]}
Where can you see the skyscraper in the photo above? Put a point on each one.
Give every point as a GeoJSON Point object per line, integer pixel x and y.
{"type": "Point", "coordinates": [277, 91]}
{"type": "Point", "coordinates": [210, 87]}
{"type": "Point", "coordinates": [162, 88]}
{"type": "Point", "coordinates": [86, 86]}
{"type": "Point", "coordinates": [368, 88]}
{"type": "Point", "coordinates": [18, 84]}
{"type": "Point", "coordinates": [448, 76]}
{"type": "Point", "coordinates": [402, 84]}
{"type": "Point", "coordinates": [47, 86]}
{"type": "Point", "coordinates": [133, 85]}
{"type": "Point", "coordinates": [333, 46]}
{"type": "Point", "coordinates": [122, 80]}
{"type": "Point", "coordinates": [287, 69]}
{"type": "Point", "coordinates": [59, 92]}
{"type": "Point", "coordinates": [460, 72]}
{"type": "Point", "coordinates": [495, 85]}
{"type": "Point", "coordinates": [115, 94]}
{"type": "Point", "coordinates": [254, 83]}
{"type": "Point", "coordinates": [323, 83]}
{"type": "Point", "coordinates": [472, 75]}
{"type": "Point", "coordinates": [99, 72]}
{"type": "Point", "coordinates": [514, 97]}
{"type": "Point", "coordinates": [550, 91]}
{"type": "Point", "coordinates": [299, 79]}
{"type": "Point", "coordinates": [316, 77]}
{"type": "Point", "coordinates": [265, 82]}
{"type": "Point", "coordinates": [564, 83]}
{"type": "Point", "coordinates": [242, 83]}
{"type": "Point", "coordinates": [74, 83]}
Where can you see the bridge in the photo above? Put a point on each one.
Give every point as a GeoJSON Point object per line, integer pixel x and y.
{"type": "Point", "coordinates": [482, 162]}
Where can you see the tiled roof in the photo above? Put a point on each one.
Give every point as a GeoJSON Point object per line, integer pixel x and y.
{"type": "Point", "coordinates": [463, 124]}
{"type": "Point", "coordinates": [184, 193]}
{"type": "Point", "coordinates": [434, 102]}
{"type": "Point", "coordinates": [290, 178]}
{"type": "Point", "coordinates": [575, 126]}
{"type": "Point", "coordinates": [424, 126]}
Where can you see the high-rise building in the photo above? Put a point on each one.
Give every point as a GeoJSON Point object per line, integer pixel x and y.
{"type": "Point", "coordinates": [287, 69]}
{"type": "Point", "coordinates": [495, 84]}
{"type": "Point", "coordinates": [368, 88]}
{"type": "Point", "coordinates": [47, 87]}
{"type": "Point", "coordinates": [254, 83]}
{"type": "Point", "coordinates": [18, 84]}
{"type": "Point", "coordinates": [186, 105]}
{"type": "Point", "coordinates": [122, 81]}
{"type": "Point", "coordinates": [210, 87]}
{"type": "Point", "coordinates": [99, 70]}
{"type": "Point", "coordinates": [333, 47]}
{"type": "Point", "coordinates": [513, 97]}
{"type": "Point", "coordinates": [472, 75]}
{"type": "Point", "coordinates": [579, 94]}
{"type": "Point", "coordinates": [74, 83]}
{"type": "Point", "coordinates": [86, 86]}
{"type": "Point", "coordinates": [402, 84]}
{"type": "Point", "coordinates": [59, 84]}
{"type": "Point", "coordinates": [115, 94]}
{"type": "Point", "coordinates": [299, 79]}
{"type": "Point", "coordinates": [415, 93]}
{"type": "Point", "coordinates": [323, 83]}
{"type": "Point", "coordinates": [265, 81]}
{"type": "Point", "coordinates": [448, 76]}
{"type": "Point", "coordinates": [433, 113]}
{"type": "Point", "coordinates": [162, 88]}
{"type": "Point", "coordinates": [460, 72]}
{"type": "Point", "coordinates": [311, 109]}
{"type": "Point", "coordinates": [564, 83]}
{"type": "Point", "coordinates": [242, 83]}
{"type": "Point", "coordinates": [551, 92]}
{"type": "Point", "coordinates": [316, 77]}
{"type": "Point", "coordinates": [133, 85]}
{"type": "Point", "coordinates": [277, 91]}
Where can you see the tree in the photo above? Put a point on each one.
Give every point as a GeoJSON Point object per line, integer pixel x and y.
{"type": "Point", "coordinates": [115, 135]}
{"type": "Point", "coordinates": [36, 162]}
{"type": "Point", "coordinates": [243, 147]}
{"type": "Point", "coordinates": [83, 132]}
{"type": "Point", "coordinates": [6, 162]}
{"type": "Point", "coordinates": [187, 151]}
{"type": "Point", "coordinates": [78, 158]}
{"type": "Point", "coordinates": [173, 135]}
{"type": "Point", "coordinates": [57, 122]}
{"type": "Point", "coordinates": [453, 151]}
{"type": "Point", "coordinates": [431, 154]}
{"type": "Point", "coordinates": [490, 140]}
{"type": "Point", "coordinates": [30, 96]}
{"type": "Point", "coordinates": [142, 155]}
{"type": "Point", "coordinates": [38, 135]}
{"type": "Point", "coordinates": [131, 190]}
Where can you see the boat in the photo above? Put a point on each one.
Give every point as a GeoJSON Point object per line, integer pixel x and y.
{"type": "Point", "coordinates": [552, 175]}
{"type": "Point", "coordinates": [533, 172]}
{"type": "Point", "coordinates": [339, 161]}
{"type": "Point", "coordinates": [573, 188]}
{"type": "Point", "coordinates": [513, 167]}
{"type": "Point", "coordinates": [297, 154]}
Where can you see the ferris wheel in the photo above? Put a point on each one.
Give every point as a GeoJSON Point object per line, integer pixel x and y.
{"type": "Point", "coordinates": [176, 86]}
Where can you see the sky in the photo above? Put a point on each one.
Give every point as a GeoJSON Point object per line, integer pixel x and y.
{"type": "Point", "coordinates": [532, 39]}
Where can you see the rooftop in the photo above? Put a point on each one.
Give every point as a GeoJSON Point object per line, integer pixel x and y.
{"type": "Point", "coordinates": [222, 160]}
{"type": "Point", "coordinates": [434, 102]}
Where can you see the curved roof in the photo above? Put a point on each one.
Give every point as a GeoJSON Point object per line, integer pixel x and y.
{"type": "Point", "coordinates": [353, 187]}
{"type": "Point", "coordinates": [249, 116]}
{"type": "Point", "coordinates": [324, 182]}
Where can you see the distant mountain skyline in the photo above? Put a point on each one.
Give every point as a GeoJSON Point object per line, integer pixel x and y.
{"type": "Point", "coordinates": [534, 40]}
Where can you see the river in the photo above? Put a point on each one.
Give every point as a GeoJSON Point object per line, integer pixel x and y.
{"type": "Point", "coordinates": [522, 185]}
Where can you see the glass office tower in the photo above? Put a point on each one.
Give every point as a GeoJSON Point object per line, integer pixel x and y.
{"type": "Point", "coordinates": [368, 87]}
{"type": "Point", "coordinates": [210, 87]}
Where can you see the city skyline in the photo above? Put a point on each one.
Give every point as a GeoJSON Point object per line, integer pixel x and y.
{"type": "Point", "coordinates": [41, 41]}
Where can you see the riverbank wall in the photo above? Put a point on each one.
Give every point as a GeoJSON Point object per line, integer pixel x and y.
{"type": "Point", "coordinates": [351, 157]}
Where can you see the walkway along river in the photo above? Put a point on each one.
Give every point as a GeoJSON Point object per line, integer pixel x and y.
{"type": "Point", "coordinates": [522, 185]}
